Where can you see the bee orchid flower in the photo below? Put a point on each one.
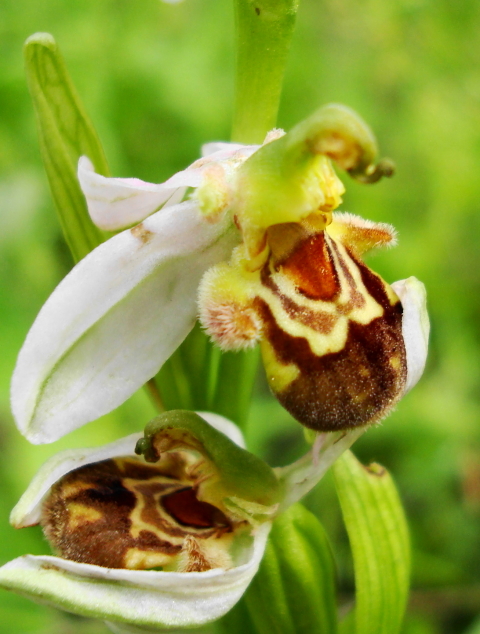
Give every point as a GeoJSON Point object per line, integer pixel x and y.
{"type": "Point", "coordinates": [259, 246]}
{"type": "Point", "coordinates": [168, 540]}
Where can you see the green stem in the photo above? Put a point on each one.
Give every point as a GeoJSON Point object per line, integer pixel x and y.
{"type": "Point", "coordinates": [264, 30]}
{"type": "Point", "coordinates": [197, 376]}
{"type": "Point", "coordinates": [236, 376]}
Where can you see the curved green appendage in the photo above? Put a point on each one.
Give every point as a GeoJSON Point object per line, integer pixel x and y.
{"type": "Point", "coordinates": [378, 534]}
{"type": "Point", "coordinates": [239, 474]}
{"type": "Point", "coordinates": [65, 133]}
{"type": "Point", "coordinates": [294, 589]}
{"type": "Point", "coordinates": [233, 390]}
{"type": "Point", "coordinates": [264, 30]}
{"type": "Point", "coordinates": [341, 134]}
{"type": "Point", "coordinates": [291, 177]}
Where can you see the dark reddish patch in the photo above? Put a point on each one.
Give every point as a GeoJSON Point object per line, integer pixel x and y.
{"type": "Point", "coordinates": [151, 493]}
{"type": "Point", "coordinates": [187, 510]}
{"type": "Point", "coordinates": [311, 268]}
{"type": "Point", "coordinates": [317, 320]}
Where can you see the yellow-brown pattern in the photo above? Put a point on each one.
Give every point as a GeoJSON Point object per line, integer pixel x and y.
{"type": "Point", "coordinates": [124, 513]}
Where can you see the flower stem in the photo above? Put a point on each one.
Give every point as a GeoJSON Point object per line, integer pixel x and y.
{"type": "Point", "coordinates": [197, 376]}
{"type": "Point", "coordinates": [264, 29]}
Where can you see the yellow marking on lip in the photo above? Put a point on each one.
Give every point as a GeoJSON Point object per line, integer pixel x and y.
{"type": "Point", "coordinates": [79, 514]}
{"type": "Point", "coordinates": [371, 309]}
{"type": "Point", "coordinates": [138, 523]}
{"type": "Point", "coordinates": [136, 559]}
{"type": "Point", "coordinates": [395, 362]}
{"type": "Point", "coordinates": [72, 489]}
{"type": "Point", "coordinates": [336, 338]}
{"type": "Point", "coordinates": [279, 375]}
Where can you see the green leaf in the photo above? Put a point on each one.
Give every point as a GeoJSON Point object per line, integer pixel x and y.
{"type": "Point", "coordinates": [294, 590]}
{"type": "Point", "coordinates": [378, 534]}
{"type": "Point", "coordinates": [65, 134]}
{"type": "Point", "coordinates": [233, 389]}
{"type": "Point", "coordinates": [187, 379]}
{"type": "Point", "coordinates": [474, 627]}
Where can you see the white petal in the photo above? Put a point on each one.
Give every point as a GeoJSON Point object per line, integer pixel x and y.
{"type": "Point", "coordinates": [114, 320]}
{"type": "Point", "coordinates": [116, 203]}
{"type": "Point", "coordinates": [27, 512]}
{"type": "Point", "coordinates": [228, 154]}
{"type": "Point", "coordinates": [123, 628]}
{"type": "Point", "coordinates": [301, 476]}
{"type": "Point", "coordinates": [221, 146]}
{"type": "Point", "coordinates": [143, 598]}
{"type": "Point", "coordinates": [415, 326]}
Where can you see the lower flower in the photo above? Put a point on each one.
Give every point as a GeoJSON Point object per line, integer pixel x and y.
{"type": "Point", "coordinates": [171, 541]}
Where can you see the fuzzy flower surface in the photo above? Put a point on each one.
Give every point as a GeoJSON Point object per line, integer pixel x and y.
{"type": "Point", "coordinates": [169, 541]}
{"type": "Point", "coordinates": [259, 253]}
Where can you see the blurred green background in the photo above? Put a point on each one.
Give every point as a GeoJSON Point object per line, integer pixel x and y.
{"type": "Point", "coordinates": [157, 80]}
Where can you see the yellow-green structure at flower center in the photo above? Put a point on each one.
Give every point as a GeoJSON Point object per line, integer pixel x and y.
{"type": "Point", "coordinates": [330, 329]}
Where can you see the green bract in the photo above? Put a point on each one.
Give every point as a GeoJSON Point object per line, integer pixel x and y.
{"type": "Point", "coordinates": [378, 535]}
{"type": "Point", "coordinates": [65, 134]}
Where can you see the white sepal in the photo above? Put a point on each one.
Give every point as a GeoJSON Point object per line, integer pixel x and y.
{"type": "Point", "coordinates": [144, 598]}
{"type": "Point", "coordinates": [301, 476]}
{"type": "Point", "coordinates": [222, 149]}
{"type": "Point", "coordinates": [116, 203]}
{"type": "Point", "coordinates": [114, 320]}
{"type": "Point", "coordinates": [415, 326]}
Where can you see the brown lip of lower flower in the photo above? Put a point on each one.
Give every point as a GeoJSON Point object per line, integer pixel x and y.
{"type": "Point", "coordinates": [124, 513]}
